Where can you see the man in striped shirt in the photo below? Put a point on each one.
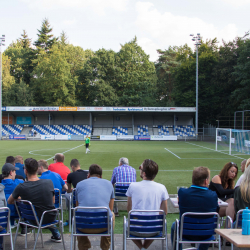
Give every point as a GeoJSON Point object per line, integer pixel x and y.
{"type": "Point", "coordinates": [122, 173]}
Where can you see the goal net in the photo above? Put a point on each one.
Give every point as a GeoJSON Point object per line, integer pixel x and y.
{"type": "Point", "coordinates": [233, 141]}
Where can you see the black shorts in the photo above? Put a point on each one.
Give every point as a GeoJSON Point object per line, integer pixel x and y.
{"type": "Point", "coordinates": [87, 145]}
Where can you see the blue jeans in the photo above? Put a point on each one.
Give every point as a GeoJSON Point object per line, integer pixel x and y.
{"type": "Point", "coordinates": [55, 232]}
{"type": "Point", "coordinates": [1, 241]}
{"type": "Point", "coordinates": [201, 246]}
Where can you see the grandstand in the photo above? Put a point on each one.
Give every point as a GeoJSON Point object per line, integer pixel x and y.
{"type": "Point", "coordinates": [98, 121]}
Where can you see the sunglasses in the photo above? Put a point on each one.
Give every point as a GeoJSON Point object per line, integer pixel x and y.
{"type": "Point", "coordinates": [234, 164]}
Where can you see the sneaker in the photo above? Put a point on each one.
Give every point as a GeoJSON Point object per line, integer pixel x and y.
{"type": "Point", "coordinates": [56, 239]}
{"type": "Point", "coordinates": [23, 231]}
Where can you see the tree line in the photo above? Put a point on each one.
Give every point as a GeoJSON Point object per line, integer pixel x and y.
{"type": "Point", "coordinates": [53, 72]}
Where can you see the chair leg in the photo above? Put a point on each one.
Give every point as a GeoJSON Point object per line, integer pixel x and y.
{"type": "Point", "coordinates": [18, 225]}
{"type": "Point", "coordinates": [38, 232]}
{"type": "Point", "coordinates": [26, 240]}
{"type": "Point", "coordinates": [124, 236]}
{"type": "Point", "coordinates": [70, 213]}
{"type": "Point", "coordinates": [61, 231]}
{"type": "Point", "coordinates": [11, 241]}
{"type": "Point", "coordinates": [41, 237]}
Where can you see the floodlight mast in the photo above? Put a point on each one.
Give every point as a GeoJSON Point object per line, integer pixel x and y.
{"type": "Point", "coordinates": [197, 40]}
{"type": "Point", "coordinates": [2, 40]}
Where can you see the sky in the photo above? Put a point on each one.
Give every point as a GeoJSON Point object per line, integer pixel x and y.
{"type": "Point", "coordinates": [157, 24]}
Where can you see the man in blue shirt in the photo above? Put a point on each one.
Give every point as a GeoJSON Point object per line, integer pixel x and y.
{"type": "Point", "coordinates": [47, 174]}
{"type": "Point", "coordinates": [10, 183]}
{"type": "Point", "coordinates": [122, 173]}
{"type": "Point", "coordinates": [19, 164]}
{"type": "Point", "coordinates": [95, 192]}
{"type": "Point", "coordinates": [198, 198]}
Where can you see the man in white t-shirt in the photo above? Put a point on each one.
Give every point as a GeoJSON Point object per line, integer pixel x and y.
{"type": "Point", "coordinates": [147, 194]}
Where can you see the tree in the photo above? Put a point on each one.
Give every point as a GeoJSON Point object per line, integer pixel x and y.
{"type": "Point", "coordinates": [136, 76]}
{"type": "Point", "coordinates": [97, 79]}
{"type": "Point", "coordinates": [52, 81]}
{"type": "Point", "coordinates": [19, 94]}
{"type": "Point", "coordinates": [24, 40]}
{"type": "Point", "coordinates": [21, 58]}
{"type": "Point", "coordinates": [242, 74]}
{"type": "Point", "coordinates": [7, 78]}
{"type": "Point", "coordinates": [165, 78]}
{"type": "Point", "coordinates": [45, 38]}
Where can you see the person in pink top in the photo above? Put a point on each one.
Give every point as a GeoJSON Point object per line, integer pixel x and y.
{"type": "Point", "coordinates": [59, 167]}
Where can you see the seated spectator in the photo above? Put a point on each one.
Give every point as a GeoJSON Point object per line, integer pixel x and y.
{"type": "Point", "coordinates": [47, 174]}
{"type": "Point", "coordinates": [40, 192]}
{"type": "Point", "coordinates": [11, 160]}
{"type": "Point", "coordinates": [123, 173]}
{"type": "Point", "coordinates": [242, 193]}
{"type": "Point", "coordinates": [244, 164]}
{"type": "Point", "coordinates": [59, 167]}
{"type": "Point", "coordinates": [147, 194]}
{"type": "Point", "coordinates": [95, 192]}
{"type": "Point", "coordinates": [10, 183]}
{"type": "Point", "coordinates": [73, 178]}
{"type": "Point", "coordinates": [198, 198]}
{"type": "Point", "coordinates": [2, 204]}
{"type": "Point", "coordinates": [223, 185]}
{"type": "Point", "coordinates": [19, 164]}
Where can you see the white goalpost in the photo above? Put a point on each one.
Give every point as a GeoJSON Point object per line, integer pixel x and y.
{"type": "Point", "coordinates": [233, 141]}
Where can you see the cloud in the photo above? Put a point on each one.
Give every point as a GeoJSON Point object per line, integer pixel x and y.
{"type": "Point", "coordinates": [165, 29]}
{"type": "Point", "coordinates": [237, 3]}
{"type": "Point", "coordinates": [97, 5]}
{"type": "Point", "coordinates": [69, 22]}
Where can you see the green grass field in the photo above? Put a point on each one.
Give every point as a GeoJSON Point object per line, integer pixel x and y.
{"type": "Point", "coordinates": [176, 159]}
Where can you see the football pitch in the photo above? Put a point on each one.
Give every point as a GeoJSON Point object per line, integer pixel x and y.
{"type": "Point", "coordinates": [176, 159]}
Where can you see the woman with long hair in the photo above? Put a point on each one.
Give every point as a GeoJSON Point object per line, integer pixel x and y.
{"type": "Point", "coordinates": [223, 185]}
{"type": "Point", "coordinates": [243, 168]}
{"type": "Point", "coordinates": [242, 193]}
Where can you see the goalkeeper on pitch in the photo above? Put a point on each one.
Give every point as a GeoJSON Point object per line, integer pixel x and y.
{"type": "Point", "coordinates": [87, 143]}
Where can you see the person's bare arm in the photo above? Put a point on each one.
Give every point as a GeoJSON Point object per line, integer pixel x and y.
{"type": "Point", "coordinates": [129, 204]}
{"type": "Point", "coordinates": [77, 203]}
{"type": "Point", "coordinates": [111, 204]}
{"type": "Point", "coordinates": [54, 200]}
{"type": "Point", "coordinates": [69, 190]}
{"type": "Point", "coordinates": [65, 187]}
{"type": "Point", "coordinates": [11, 200]}
{"type": "Point", "coordinates": [164, 206]}
{"type": "Point", "coordinates": [216, 179]}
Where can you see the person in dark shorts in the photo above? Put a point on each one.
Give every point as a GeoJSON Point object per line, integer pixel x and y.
{"type": "Point", "coordinates": [87, 142]}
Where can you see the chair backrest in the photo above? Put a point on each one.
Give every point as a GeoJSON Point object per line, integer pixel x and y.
{"type": "Point", "coordinates": [5, 217]}
{"type": "Point", "coordinates": [26, 211]}
{"type": "Point", "coordinates": [91, 218]}
{"type": "Point", "coordinates": [121, 188]}
{"type": "Point", "coordinates": [238, 222]}
{"type": "Point", "coordinates": [146, 221]}
{"type": "Point", "coordinates": [198, 224]}
{"type": "Point", "coordinates": [57, 198]}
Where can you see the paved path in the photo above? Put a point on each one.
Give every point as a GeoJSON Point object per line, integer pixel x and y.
{"type": "Point", "coordinates": [95, 241]}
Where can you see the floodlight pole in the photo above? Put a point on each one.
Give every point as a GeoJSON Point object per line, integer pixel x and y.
{"type": "Point", "coordinates": [197, 40]}
{"type": "Point", "coordinates": [2, 39]}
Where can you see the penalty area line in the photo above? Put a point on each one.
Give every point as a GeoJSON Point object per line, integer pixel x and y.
{"type": "Point", "coordinates": [173, 153]}
{"type": "Point", "coordinates": [66, 151]}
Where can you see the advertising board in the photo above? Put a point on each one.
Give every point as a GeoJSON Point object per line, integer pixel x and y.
{"type": "Point", "coordinates": [108, 137]}
{"type": "Point", "coordinates": [17, 137]}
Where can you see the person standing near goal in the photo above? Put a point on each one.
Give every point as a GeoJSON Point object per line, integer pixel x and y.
{"type": "Point", "coordinates": [87, 142]}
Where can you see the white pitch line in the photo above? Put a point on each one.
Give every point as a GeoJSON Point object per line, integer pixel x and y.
{"type": "Point", "coordinates": [214, 150]}
{"type": "Point", "coordinates": [173, 153]}
{"type": "Point", "coordinates": [66, 151]}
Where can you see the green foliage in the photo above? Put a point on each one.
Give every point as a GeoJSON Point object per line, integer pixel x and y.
{"type": "Point", "coordinates": [136, 75]}
{"type": "Point", "coordinates": [242, 74]}
{"type": "Point", "coordinates": [52, 82]}
{"type": "Point", "coordinates": [45, 38]}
